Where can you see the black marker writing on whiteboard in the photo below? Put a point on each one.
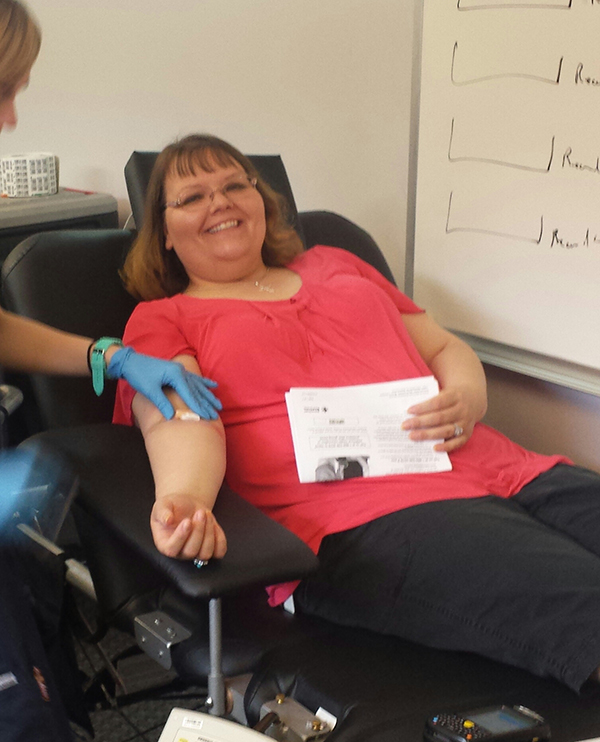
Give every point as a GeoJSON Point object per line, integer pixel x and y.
{"type": "Point", "coordinates": [569, 162]}
{"type": "Point", "coordinates": [588, 239]}
{"type": "Point", "coordinates": [585, 79]}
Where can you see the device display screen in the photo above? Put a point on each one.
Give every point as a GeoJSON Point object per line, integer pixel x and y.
{"type": "Point", "coordinates": [499, 721]}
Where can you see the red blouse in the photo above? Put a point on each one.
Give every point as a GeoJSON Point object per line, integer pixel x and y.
{"type": "Point", "coordinates": [343, 327]}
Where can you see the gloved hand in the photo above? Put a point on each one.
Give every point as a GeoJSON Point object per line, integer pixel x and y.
{"type": "Point", "coordinates": [148, 375]}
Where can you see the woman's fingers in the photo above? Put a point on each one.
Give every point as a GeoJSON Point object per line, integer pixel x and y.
{"type": "Point", "coordinates": [444, 417]}
{"type": "Point", "coordinates": [452, 443]}
{"type": "Point", "coordinates": [191, 546]}
{"type": "Point", "coordinates": [436, 425]}
{"type": "Point", "coordinates": [169, 539]}
{"type": "Point", "coordinates": [206, 548]}
{"type": "Point", "coordinates": [220, 542]}
{"type": "Point", "coordinates": [196, 537]}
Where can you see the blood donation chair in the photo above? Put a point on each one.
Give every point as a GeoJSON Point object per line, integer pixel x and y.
{"type": "Point", "coordinates": [214, 622]}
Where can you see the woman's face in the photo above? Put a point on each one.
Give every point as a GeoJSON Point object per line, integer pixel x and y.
{"type": "Point", "coordinates": [8, 111]}
{"type": "Point", "coordinates": [219, 229]}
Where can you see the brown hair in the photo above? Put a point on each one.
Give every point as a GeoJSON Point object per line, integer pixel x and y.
{"type": "Point", "coordinates": [20, 40]}
{"type": "Point", "coordinates": [153, 272]}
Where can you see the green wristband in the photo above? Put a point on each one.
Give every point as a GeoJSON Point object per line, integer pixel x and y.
{"type": "Point", "coordinates": [98, 361]}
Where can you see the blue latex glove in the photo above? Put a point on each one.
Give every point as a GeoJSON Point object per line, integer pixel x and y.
{"type": "Point", "coordinates": [148, 375]}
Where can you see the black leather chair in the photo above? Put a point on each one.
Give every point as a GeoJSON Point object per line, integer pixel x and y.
{"type": "Point", "coordinates": [380, 688]}
{"type": "Point", "coordinates": [70, 280]}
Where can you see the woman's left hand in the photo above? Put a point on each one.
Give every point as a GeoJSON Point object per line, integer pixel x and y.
{"type": "Point", "coordinates": [448, 417]}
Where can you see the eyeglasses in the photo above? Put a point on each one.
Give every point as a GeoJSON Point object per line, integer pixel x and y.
{"type": "Point", "coordinates": [199, 198]}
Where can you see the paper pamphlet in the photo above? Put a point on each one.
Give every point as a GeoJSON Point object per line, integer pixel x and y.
{"type": "Point", "coordinates": [355, 431]}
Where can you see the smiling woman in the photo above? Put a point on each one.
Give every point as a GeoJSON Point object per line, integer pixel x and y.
{"type": "Point", "coordinates": [215, 223]}
{"type": "Point", "coordinates": [330, 320]}
{"type": "Point", "coordinates": [205, 164]}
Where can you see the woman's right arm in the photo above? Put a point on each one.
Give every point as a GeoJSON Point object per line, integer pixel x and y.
{"type": "Point", "coordinates": [188, 463]}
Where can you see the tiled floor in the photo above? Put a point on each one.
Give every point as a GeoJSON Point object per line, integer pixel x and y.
{"type": "Point", "coordinates": [134, 718]}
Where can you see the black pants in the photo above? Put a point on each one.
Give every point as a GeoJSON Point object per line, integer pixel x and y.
{"type": "Point", "coordinates": [30, 705]}
{"type": "Point", "coordinates": [516, 580]}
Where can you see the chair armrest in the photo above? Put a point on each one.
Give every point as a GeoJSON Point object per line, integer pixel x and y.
{"type": "Point", "coordinates": [116, 489]}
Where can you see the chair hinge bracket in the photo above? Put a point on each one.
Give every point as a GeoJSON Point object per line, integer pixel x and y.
{"type": "Point", "coordinates": [156, 633]}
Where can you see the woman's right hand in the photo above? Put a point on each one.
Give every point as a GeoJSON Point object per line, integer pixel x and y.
{"type": "Point", "coordinates": [185, 530]}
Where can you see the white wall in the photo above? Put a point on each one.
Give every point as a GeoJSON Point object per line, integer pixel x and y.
{"type": "Point", "coordinates": [545, 417]}
{"type": "Point", "coordinates": [324, 83]}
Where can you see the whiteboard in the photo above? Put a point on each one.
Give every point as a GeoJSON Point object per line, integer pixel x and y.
{"type": "Point", "coordinates": [507, 211]}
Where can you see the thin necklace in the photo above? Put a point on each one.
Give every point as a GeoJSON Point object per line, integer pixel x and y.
{"type": "Point", "coordinates": [264, 287]}
{"type": "Point", "coordinates": [257, 284]}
